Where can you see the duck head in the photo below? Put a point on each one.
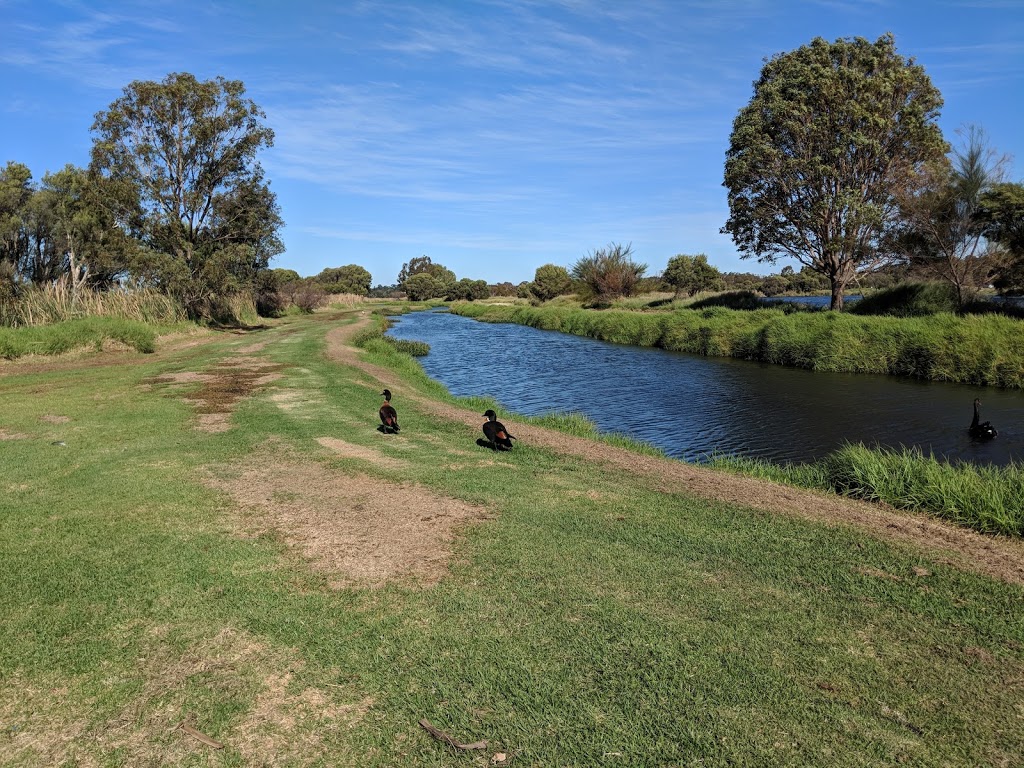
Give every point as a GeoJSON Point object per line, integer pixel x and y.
{"type": "Point", "coordinates": [491, 415]}
{"type": "Point", "coordinates": [387, 395]}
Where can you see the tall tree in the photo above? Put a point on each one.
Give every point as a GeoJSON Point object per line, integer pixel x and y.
{"type": "Point", "coordinates": [1001, 211]}
{"type": "Point", "coordinates": [689, 274]}
{"type": "Point", "coordinates": [16, 191]}
{"type": "Point", "coordinates": [187, 151]}
{"type": "Point", "coordinates": [423, 265]}
{"type": "Point", "coordinates": [833, 133]}
{"type": "Point", "coordinates": [348, 279]}
{"type": "Point", "coordinates": [944, 233]}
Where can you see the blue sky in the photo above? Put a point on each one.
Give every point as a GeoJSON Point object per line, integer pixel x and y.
{"type": "Point", "coordinates": [495, 135]}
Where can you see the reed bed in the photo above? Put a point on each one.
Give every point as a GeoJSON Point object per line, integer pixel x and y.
{"type": "Point", "coordinates": [984, 497]}
{"type": "Point", "coordinates": [973, 349]}
{"type": "Point", "coordinates": [55, 303]}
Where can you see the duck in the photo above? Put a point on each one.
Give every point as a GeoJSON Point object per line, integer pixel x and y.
{"type": "Point", "coordinates": [388, 415]}
{"type": "Point", "coordinates": [984, 430]}
{"type": "Point", "coordinates": [497, 436]}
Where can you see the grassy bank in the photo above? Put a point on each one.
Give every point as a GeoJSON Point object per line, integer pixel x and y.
{"type": "Point", "coordinates": [589, 616]}
{"type": "Point", "coordinates": [85, 333]}
{"type": "Point", "coordinates": [986, 350]}
{"type": "Point", "coordinates": [987, 498]}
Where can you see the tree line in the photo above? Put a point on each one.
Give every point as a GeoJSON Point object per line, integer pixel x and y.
{"type": "Point", "coordinates": [174, 198]}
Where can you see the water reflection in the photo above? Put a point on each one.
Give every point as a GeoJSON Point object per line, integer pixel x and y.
{"type": "Point", "coordinates": [693, 406]}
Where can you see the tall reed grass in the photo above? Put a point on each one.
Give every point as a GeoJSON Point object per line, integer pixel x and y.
{"type": "Point", "coordinates": [973, 349]}
{"type": "Point", "coordinates": [55, 303]}
{"type": "Point", "coordinates": [984, 497]}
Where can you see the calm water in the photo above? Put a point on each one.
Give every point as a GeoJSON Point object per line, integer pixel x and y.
{"type": "Point", "coordinates": [693, 406]}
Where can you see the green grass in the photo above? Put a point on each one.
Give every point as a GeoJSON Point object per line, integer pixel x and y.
{"type": "Point", "coordinates": [987, 498]}
{"type": "Point", "coordinates": [973, 349]}
{"type": "Point", "coordinates": [85, 333]}
{"type": "Point", "coordinates": [593, 619]}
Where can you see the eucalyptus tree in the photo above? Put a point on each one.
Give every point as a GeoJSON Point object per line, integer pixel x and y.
{"type": "Point", "coordinates": [833, 134]}
{"type": "Point", "coordinates": [16, 192]}
{"type": "Point", "coordinates": [1001, 211]}
{"type": "Point", "coordinates": [944, 230]}
{"type": "Point", "coordinates": [351, 278]}
{"type": "Point", "coordinates": [186, 150]}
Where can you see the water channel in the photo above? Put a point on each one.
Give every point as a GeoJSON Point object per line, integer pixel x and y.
{"type": "Point", "coordinates": [693, 407]}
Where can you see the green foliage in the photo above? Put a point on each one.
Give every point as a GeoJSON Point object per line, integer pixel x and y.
{"type": "Point", "coordinates": [467, 290]}
{"type": "Point", "coordinates": [423, 286]}
{"type": "Point", "coordinates": [911, 299]}
{"type": "Point", "coordinates": [688, 275]}
{"type": "Point", "coordinates": [985, 497]}
{"type": "Point", "coordinates": [943, 233]}
{"type": "Point", "coordinates": [550, 281]}
{"type": "Point", "coordinates": [89, 333]}
{"type": "Point", "coordinates": [833, 134]}
{"type": "Point", "coordinates": [348, 279]}
{"type": "Point", "coordinates": [608, 273]}
{"type": "Point", "coordinates": [986, 350]}
{"type": "Point", "coordinates": [1001, 212]}
{"type": "Point", "coordinates": [422, 265]}
{"type": "Point", "coordinates": [186, 151]}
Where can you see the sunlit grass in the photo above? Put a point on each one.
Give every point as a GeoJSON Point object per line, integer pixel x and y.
{"type": "Point", "coordinates": [590, 617]}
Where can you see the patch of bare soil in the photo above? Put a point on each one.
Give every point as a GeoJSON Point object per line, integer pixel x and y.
{"type": "Point", "coordinates": [998, 557]}
{"type": "Point", "coordinates": [350, 450]}
{"type": "Point", "coordinates": [356, 529]}
{"type": "Point", "coordinates": [285, 723]}
{"type": "Point", "coordinates": [51, 419]}
{"type": "Point", "coordinates": [220, 388]}
{"type": "Point", "coordinates": [5, 435]}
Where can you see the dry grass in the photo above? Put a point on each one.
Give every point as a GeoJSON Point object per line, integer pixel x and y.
{"type": "Point", "coordinates": [355, 528]}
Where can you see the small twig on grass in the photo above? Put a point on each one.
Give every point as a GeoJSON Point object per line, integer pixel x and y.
{"type": "Point", "coordinates": [442, 736]}
{"type": "Point", "coordinates": [198, 735]}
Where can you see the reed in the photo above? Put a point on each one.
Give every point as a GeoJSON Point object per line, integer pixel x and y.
{"type": "Point", "coordinates": [58, 302]}
{"type": "Point", "coordinates": [984, 497]}
{"type": "Point", "coordinates": [973, 349]}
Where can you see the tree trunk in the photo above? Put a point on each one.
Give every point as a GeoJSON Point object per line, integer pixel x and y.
{"type": "Point", "coordinates": [837, 294]}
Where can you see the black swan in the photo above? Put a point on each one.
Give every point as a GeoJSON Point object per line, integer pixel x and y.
{"type": "Point", "coordinates": [985, 428]}
{"type": "Point", "coordinates": [497, 436]}
{"type": "Point", "coordinates": [388, 415]}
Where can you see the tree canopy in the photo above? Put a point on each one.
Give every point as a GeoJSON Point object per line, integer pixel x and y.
{"type": "Point", "coordinates": [833, 133]}
{"type": "Point", "coordinates": [348, 279]}
{"type": "Point", "coordinates": [550, 281]}
{"type": "Point", "coordinates": [186, 151]}
{"type": "Point", "coordinates": [690, 274]}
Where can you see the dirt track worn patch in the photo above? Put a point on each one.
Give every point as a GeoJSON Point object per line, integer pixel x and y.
{"type": "Point", "coordinates": [349, 450]}
{"type": "Point", "coordinates": [220, 388]}
{"type": "Point", "coordinates": [998, 557]}
{"type": "Point", "coordinates": [356, 529]}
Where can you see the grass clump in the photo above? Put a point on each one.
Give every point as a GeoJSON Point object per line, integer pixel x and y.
{"type": "Point", "coordinates": [987, 498]}
{"type": "Point", "coordinates": [69, 335]}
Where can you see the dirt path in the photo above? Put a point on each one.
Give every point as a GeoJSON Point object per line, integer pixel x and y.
{"type": "Point", "coordinates": [999, 557]}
